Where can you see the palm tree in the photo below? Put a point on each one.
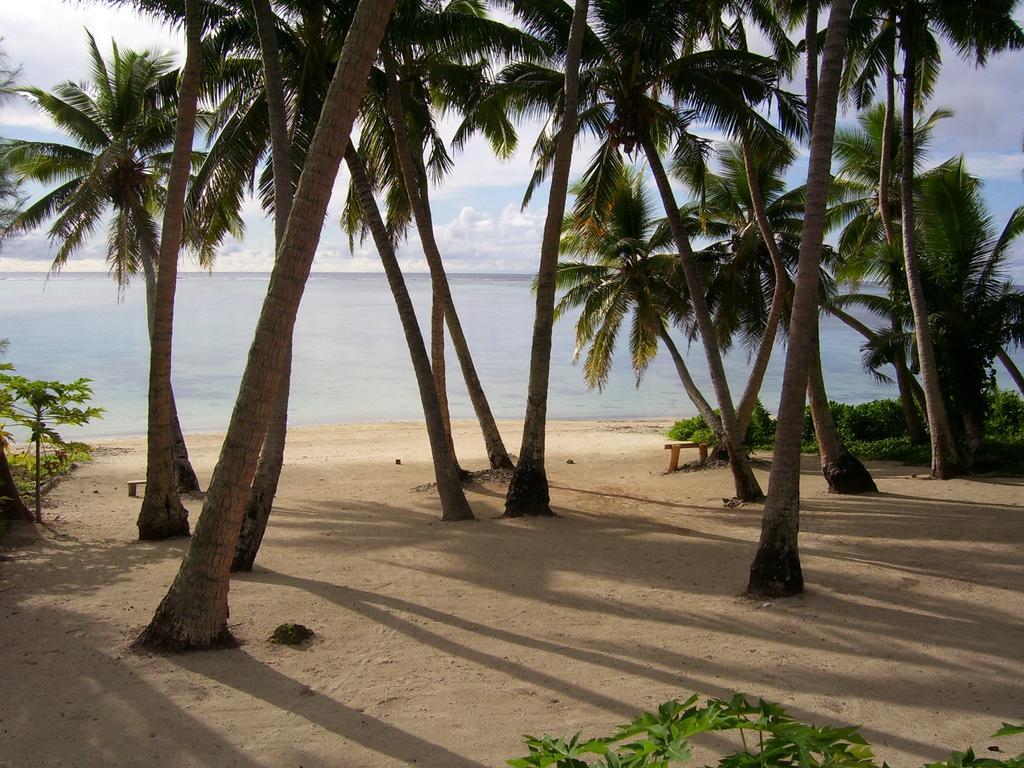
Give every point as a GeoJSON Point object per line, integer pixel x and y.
{"type": "Point", "coordinates": [11, 196]}
{"type": "Point", "coordinates": [973, 306]}
{"type": "Point", "coordinates": [194, 612]}
{"type": "Point", "coordinates": [162, 514]}
{"type": "Point", "coordinates": [776, 568]}
{"type": "Point", "coordinates": [868, 247]}
{"type": "Point", "coordinates": [633, 52]}
{"type": "Point", "coordinates": [446, 471]}
{"type": "Point", "coordinates": [271, 461]}
{"type": "Point", "coordinates": [436, 54]}
{"type": "Point", "coordinates": [308, 46]}
{"type": "Point", "coordinates": [528, 490]}
{"type": "Point", "coordinates": [122, 125]}
{"type": "Point", "coordinates": [977, 28]}
{"type": "Point", "coordinates": [624, 265]}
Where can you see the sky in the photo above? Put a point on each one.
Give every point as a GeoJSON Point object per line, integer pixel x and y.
{"type": "Point", "coordinates": [479, 224]}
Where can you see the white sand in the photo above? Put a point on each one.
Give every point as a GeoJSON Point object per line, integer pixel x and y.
{"type": "Point", "coordinates": [441, 643]}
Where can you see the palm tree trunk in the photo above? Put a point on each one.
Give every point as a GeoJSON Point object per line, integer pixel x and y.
{"type": "Point", "coordinates": [811, 67]}
{"type": "Point", "coordinates": [843, 471]}
{"type": "Point", "coordinates": [944, 457]}
{"type": "Point", "coordinates": [38, 439]}
{"type": "Point", "coordinates": [528, 491]}
{"type": "Point", "coordinates": [747, 487]}
{"type": "Point", "coordinates": [11, 504]}
{"type": "Point", "coordinates": [692, 390]}
{"type": "Point", "coordinates": [906, 385]}
{"type": "Point", "coordinates": [497, 454]}
{"type": "Point", "coordinates": [268, 473]}
{"type": "Point", "coordinates": [745, 410]}
{"type": "Point", "coordinates": [776, 568]}
{"type": "Point", "coordinates": [446, 471]}
{"type": "Point", "coordinates": [885, 165]}
{"type": "Point", "coordinates": [268, 468]}
{"type": "Point", "coordinates": [909, 389]}
{"type": "Point", "coordinates": [194, 612]}
{"type": "Point", "coordinates": [1012, 369]}
{"type": "Point", "coordinates": [186, 480]}
{"type": "Point", "coordinates": [163, 515]}
{"type": "Point", "coordinates": [443, 307]}
{"type": "Point", "coordinates": [438, 366]}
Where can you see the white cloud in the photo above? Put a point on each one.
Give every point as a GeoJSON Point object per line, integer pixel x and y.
{"type": "Point", "coordinates": [46, 38]}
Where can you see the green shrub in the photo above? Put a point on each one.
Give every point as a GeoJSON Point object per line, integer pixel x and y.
{"type": "Point", "coordinates": [685, 429]}
{"type": "Point", "coordinates": [875, 420]}
{"type": "Point", "coordinates": [877, 431]}
{"type": "Point", "coordinates": [760, 434]}
{"type": "Point", "coordinates": [890, 449]}
{"type": "Point", "coordinates": [57, 459]}
{"type": "Point", "coordinates": [765, 735]}
{"type": "Point", "coordinates": [1005, 417]}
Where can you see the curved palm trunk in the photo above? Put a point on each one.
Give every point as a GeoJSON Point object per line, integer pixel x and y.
{"type": "Point", "coordinates": [186, 480]}
{"type": "Point", "coordinates": [943, 450]}
{"type": "Point", "coordinates": [268, 473]}
{"type": "Point", "coordinates": [268, 469]}
{"type": "Point", "coordinates": [843, 471]}
{"type": "Point", "coordinates": [11, 504]}
{"type": "Point", "coordinates": [443, 306]}
{"type": "Point", "coordinates": [528, 491]}
{"type": "Point", "coordinates": [692, 390]}
{"type": "Point", "coordinates": [885, 164]}
{"type": "Point", "coordinates": [776, 568]}
{"type": "Point", "coordinates": [745, 410]}
{"type": "Point", "coordinates": [438, 365]}
{"type": "Point", "coordinates": [907, 386]}
{"type": "Point", "coordinates": [446, 471]}
{"type": "Point", "coordinates": [747, 487]}
{"type": "Point", "coordinates": [1012, 369]}
{"type": "Point", "coordinates": [811, 66]}
{"type": "Point", "coordinates": [909, 389]}
{"type": "Point", "coordinates": [162, 514]}
{"type": "Point", "coordinates": [194, 612]}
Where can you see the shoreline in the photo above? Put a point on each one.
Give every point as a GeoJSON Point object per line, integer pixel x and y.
{"type": "Point", "coordinates": [504, 423]}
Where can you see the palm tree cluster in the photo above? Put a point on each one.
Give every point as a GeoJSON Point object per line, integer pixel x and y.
{"type": "Point", "coordinates": [284, 91]}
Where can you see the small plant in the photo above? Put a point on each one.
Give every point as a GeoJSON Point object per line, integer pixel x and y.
{"type": "Point", "coordinates": [764, 734]}
{"type": "Point", "coordinates": [290, 633]}
{"type": "Point", "coordinates": [40, 406]}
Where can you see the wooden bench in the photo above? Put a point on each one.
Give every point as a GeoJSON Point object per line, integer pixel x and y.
{"type": "Point", "coordinates": [133, 487]}
{"type": "Point", "coordinates": [677, 445]}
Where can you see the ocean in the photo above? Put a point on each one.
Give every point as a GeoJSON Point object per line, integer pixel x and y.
{"type": "Point", "coordinates": [351, 361]}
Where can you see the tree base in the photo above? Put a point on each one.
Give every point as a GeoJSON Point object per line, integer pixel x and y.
{"type": "Point", "coordinates": [847, 475]}
{"type": "Point", "coordinates": [747, 487]}
{"type": "Point", "coordinates": [502, 462]}
{"type": "Point", "coordinates": [163, 519]}
{"type": "Point", "coordinates": [775, 573]}
{"type": "Point", "coordinates": [188, 482]}
{"type": "Point", "coordinates": [528, 493]}
{"type": "Point", "coordinates": [160, 637]}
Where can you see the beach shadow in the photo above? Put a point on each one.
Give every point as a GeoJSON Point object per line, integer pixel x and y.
{"type": "Point", "coordinates": [105, 709]}
{"type": "Point", "coordinates": [242, 672]}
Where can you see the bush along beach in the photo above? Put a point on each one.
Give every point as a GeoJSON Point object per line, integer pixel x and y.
{"type": "Point", "coordinates": [877, 431]}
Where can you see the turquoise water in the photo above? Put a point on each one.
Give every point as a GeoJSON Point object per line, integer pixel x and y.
{"type": "Point", "coordinates": [351, 362]}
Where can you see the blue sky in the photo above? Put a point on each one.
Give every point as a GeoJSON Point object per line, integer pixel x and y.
{"type": "Point", "coordinates": [479, 224]}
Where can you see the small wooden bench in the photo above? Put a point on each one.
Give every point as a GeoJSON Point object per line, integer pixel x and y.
{"type": "Point", "coordinates": [677, 445]}
{"type": "Point", "coordinates": [133, 487]}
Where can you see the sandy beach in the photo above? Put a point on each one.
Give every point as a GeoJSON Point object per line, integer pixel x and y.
{"type": "Point", "coordinates": [439, 644]}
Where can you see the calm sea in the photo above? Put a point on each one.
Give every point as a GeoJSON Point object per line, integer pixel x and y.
{"type": "Point", "coordinates": [351, 361]}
